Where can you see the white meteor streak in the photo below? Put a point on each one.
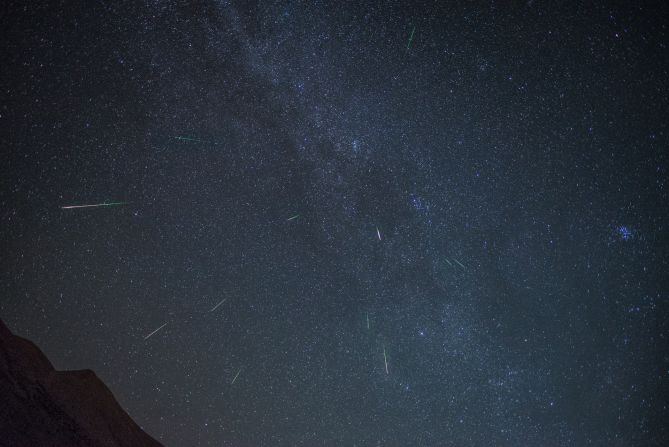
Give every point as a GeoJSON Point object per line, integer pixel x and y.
{"type": "Point", "coordinates": [216, 306]}
{"type": "Point", "coordinates": [71, 207]}
{"type": "Point", "coordinates": [147, 337]}
{"type": "Point", "coordinates": [385, 359]}
{"type": "Point", "coordinates": [378, 233]}
{"type": "Point", "coordinates": [236, 375]}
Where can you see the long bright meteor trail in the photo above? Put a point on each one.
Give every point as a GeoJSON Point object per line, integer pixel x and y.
{"type": "Point", "coordinates": [71, 207]}
{"type": "Point", "coordinates": [147, 337]}
{"type": "Point", "coordinates": [385, 359]}
{"type": "Point", "coordinates": [378, 233]}
{"type": "Point", "coordinates": [236, 375]}
{"type": "Point", "coordinates": [292, 218]}
{"type": "Point", "coordinates": [216, 306]}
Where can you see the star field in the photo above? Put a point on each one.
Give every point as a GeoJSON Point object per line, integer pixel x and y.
{"type": "Point", "coordinates": [327, 223]}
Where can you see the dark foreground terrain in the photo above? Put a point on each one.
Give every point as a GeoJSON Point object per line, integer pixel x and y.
{"type": "Point", "coordinates": [44, 407]}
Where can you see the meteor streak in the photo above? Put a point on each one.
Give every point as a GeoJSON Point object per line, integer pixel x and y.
{"type": "Point", "coordinates": [147, 337]}
{"type": "Point", "coordinates": [71, 207]}
{"type": "Point", "coordinates": [216, 306]}
{"type": "Point", "coordinates": [236, 375]}
{"type": "Point", "coordinates": [192, 139]}
{"type": "Point", "coordinates": [411, 38]}
{"type": "Point", "coordinates": [385, 359]}
{"type": "Point", "coordinates": [378, 233]}
{"type": "Point", "coordinates": [292, 218]}
{"type": "Point", "coordinates": [463, 267]}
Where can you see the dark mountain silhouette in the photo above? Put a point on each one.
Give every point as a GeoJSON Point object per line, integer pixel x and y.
{"type": "Point", "coordinates": [40, 406]}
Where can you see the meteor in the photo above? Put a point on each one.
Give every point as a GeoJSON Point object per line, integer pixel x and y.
{"type": "Point", "coordinates": [236, 375]}
{"type": "Point", "coordinates": [411, 38]}
{"type": "Point", "coordinates": [385, 359]}
{"type": "Point", "coordinates": [378, 233]}
{"type": "Point", "coordinates": [192, 139]}
{"type": "Point", "coordinates": [147, 337]}
{"type": "Point", "coordinates": [216, 306]}
{"type": "Point", "coordinates": [71, 207]}
{"type": "Point", "coordinates": [292, 218]}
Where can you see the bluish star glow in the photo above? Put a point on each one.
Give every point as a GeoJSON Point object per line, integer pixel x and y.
{"type": "Point", "coordinates": [624, 232]}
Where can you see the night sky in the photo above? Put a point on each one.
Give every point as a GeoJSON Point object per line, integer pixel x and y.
{"type": "Point", "coordinates": [388, 224]}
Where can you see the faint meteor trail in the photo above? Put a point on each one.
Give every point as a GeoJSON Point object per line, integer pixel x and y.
{"type": "Point", "coordinates": [292, 218]}
{"type": "Point", "coordinates": [411, 38]}
{"type": "Point", "coordinates": [378, 233]}
{"type": "Point", "coordinates": [71, 207]}
{"type": "Point", "coordinates": [216, 306]}
{"type": "Point", "coordinates": [367, 320]}
{"type": "Point", "coordinates": [385, 359]}
{"type": "Point", "coordinates": [192, 139]}
{"type": "Point", "coordinates": [449, 262]}
{"type": "Point", "coordinates": [236, 375]}
{"type": "Point", "coordinates": [463, 267]}
{"type": "Point", "coordinates": [147, 337]}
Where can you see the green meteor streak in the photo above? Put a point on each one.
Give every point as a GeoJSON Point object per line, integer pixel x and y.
{"type": "Point", "coordinates": [411, 38]}
{"type": "Point", "coordinates": [460, 264]}
{"type": "Point", "coordinates": [191, 139]}
{"type": "Point", "coordinates": [292, 218]}
{"type": "Point", "coordinates": [71, 207]}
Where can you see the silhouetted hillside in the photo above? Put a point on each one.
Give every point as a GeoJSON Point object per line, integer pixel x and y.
{"type": "Point", "coordinates": [40, 406]}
